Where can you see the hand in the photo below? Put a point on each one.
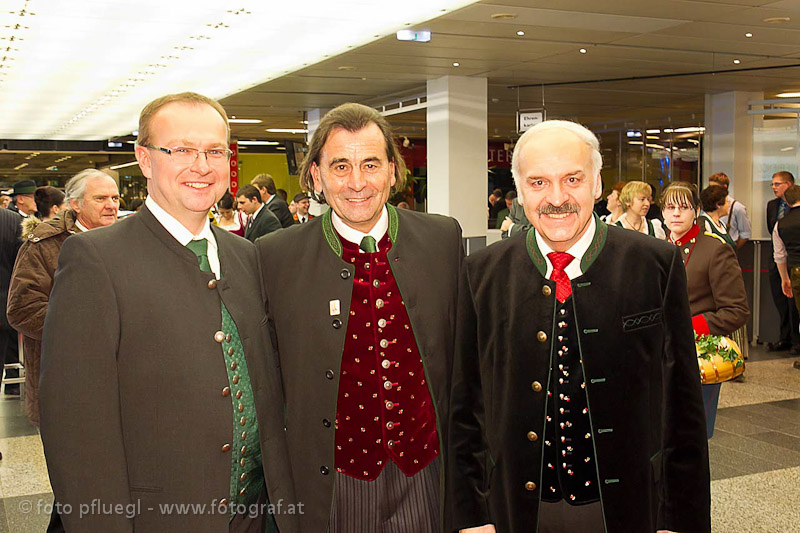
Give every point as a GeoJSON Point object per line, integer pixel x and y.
{"type": "Point", "coordinates": [786, 285]}
{"type": "Point", "coordinates": [488, 528]}
{"type": "Point", "coordinates": [506, 224]}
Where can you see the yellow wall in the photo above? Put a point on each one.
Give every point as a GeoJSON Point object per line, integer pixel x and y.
{"type": "Point", "coordinates": [273, 164]}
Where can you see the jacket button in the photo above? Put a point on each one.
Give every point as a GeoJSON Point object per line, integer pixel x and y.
{"type": "Point", "coordinates": [384, 343]}
{"type": "Point", "coordinates": [324, 470]}
{"type": "Point", "coordinates": [536, 386]}
{"type": "Point", "coordinates": [530, 486]}
{"type": "Point", "coordinates": [231, 351]}
{"type": "Point", "coordinates": [243, 451]}
{"type": "Point", "coordinates": [547, 291]}
{"type": "Point", "coordinates": [226, 448]}
{"type": "Point", "coordinates": [389, 405]}
{"type": "Point", "coordinates": [389, 425]}
{"type": "Point", "coordinates": [243, 477]}
{"type": "Point", "coordinates": [345, 273]}
{"type": "Point", "coordinates": [228, 337]}
{"type": "Point", "coordinates": [223, 502]}
{"type": "Point", "coordinates": [226, 391]}
{"type": "Point", "coordinates": [329, 374]}
{"type": "Point", "coordinates": [376, 283]}
{"type": "Point", "coordinates": [336, 323]}
{"type": "Point", "coordinates": [390, 444]}
{"type": "Point", "coordinates": [379, 303]}
{"type": "Point", "coordinates": [326, 422]}
{"type": "Point", "coordinates": [386, 363]}
{"type": "Point", "coordinates": [212, 284]}
{"type": "Point", "coordinates": [541, 336]}
{"type": "Point", "coordinates": [532, 436]}
{"type": "Point", "coordinates": [219, 336]}
{"type": "Point", "coordinates": [381, 322]}
{"type": "Point", "coordinates": [387, 385]}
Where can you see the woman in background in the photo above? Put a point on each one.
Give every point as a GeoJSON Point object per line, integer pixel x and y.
{"type": "Point", "coordinates": [717, 298]}
{"type": "Point", "coordinates": [228, 218]}
{"type": "Point", "coordinates": [636, 199]}
{"type": "Point", "coordinates": [49, 201]}
{"type": "Point", "coordinates": [613, 204]}
{"type": "Point", "coordinates": [716, 205]}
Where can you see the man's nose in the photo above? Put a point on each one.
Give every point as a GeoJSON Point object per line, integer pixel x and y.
{"type": "Point", "coordinates": [557, 194]}
{"type": "Point", "coordinates": [200, 164]}
{"type": "Point", "coordinates": [357, 180]}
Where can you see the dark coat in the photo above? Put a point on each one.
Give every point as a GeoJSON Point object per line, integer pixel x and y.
{"type": "Point", "coordinates": [281, 210]}
{"type": "Point", "coordinates": [301, 281]}
{"type": "Point", "coordinates": [29, 293]}
{"type": "Point", "coordinates": [642, 383]}
{"type": "Point", "coordinates": [772, 214]}
{"type": "Point", "coordinates": [132, 376]}
{"type": "Point", "coordinates": [265, 222]}
{"type": "Point", "coordinates": [10, 231]}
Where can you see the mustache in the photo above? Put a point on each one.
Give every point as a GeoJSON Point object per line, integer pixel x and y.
{"type": "Point", "coordinates": [563, 209]}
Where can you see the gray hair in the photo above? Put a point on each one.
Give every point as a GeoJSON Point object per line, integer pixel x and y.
{"type": "Point", "coordinates": [583, 133]}
{"type": "Point", "coordinates": [76, 186]}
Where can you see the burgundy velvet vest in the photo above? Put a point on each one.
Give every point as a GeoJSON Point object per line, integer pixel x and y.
{"type": "Point", "coordinates": [384, 410]}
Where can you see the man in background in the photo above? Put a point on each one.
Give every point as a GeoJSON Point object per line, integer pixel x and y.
{"type": "Point", "coordinates": [777, 208]}
{"type": "Point", "coordinates": [269, 196]}
{"type": "Point", "coordinates": [9, 245]}
{"type": "Point", "coordinates": [737, 222]}
{"type": "Point", "coordinates": [22, 198]}
{"type": "Point", "coordinates": [302, 203]}
{"type": "Point", "coordinates": [260, 220]}
{"type": "Point", "coordinates": [786, 249]}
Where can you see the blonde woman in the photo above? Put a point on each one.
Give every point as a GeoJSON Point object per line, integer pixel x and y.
{"type": "Point", "coordinates": [636, 199]}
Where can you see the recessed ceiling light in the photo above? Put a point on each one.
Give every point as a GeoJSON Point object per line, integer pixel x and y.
{"type": "Point", "coordinates": [582, 50]}
{"type": "Point", "coordinates": [504, 16]}
{"type": "Point", "coordinates": [789, 95]}
{"type": "Point", "coordinates": [234, 120]}
{"type": "Point", "coordinates": [787, 149]}
{"type": "Point", "coordinates": [776, 20]}
{"type": "Point", "coordinates": [748, 35]}
{"type": "Point", "coordinates": [456, 64]}
{"type": "Point", "coordinates": [346, 67]}
{"type": "Point", "coordinates": [520, 33]}
{"type": "Point", "coordinates": [421, 36]}
{"type": "Point", "coordinates": [286, 130]}
{"type": "Point", "coordinates": [258, 143]}
{"type": "Point", "coordinates": [736, 61]}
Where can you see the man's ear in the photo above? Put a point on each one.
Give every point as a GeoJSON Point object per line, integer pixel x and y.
{"type": "Point", "coordinates": [145, 162]}
{"type": "Point", "coordinates": [598, 187]}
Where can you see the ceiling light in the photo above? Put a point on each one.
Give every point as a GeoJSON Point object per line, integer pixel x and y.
{"type": "Point", "coordinates": [286, 130]}
{"type": "Point", "coordinates": [582, 50]}
{"type": "Point", "coordinates": [303, 122]}
{"type": "Point", "coordinates": [20, 166]}
{"type": "Point", "coordinates": [258, 143]}
{"type": "Point", "coordinates": [503, 16]}
{"type": "Point", "coordinates": [789, 95]}
{"type": "Point", "coordinates": [420, 36]}
{"type": "Point", "coordinates": [776, 20]}
{"type": "Point", "coordinates": [456, 64]}
{"type": "Point", "coordinates": [690, 130]}
{"type": "Point", "coordinates": [123, 165]}
{"type": "Point", "coordinates": [748, 35]}
{"type": "Point", "coordinates": [244, 120]}
{"type": "Point", "coordinates": [736, 61]}
{"type": "Point", "coordinates": [787, 149]}
{"type": "Point", "coordinates": [520, 33]}
{"type": "Point", "coordinates": [346, 67]}
{"type": "Point", "coordinates": [58, 87]}
{"type": "Point", "coordinates": [653, 131]}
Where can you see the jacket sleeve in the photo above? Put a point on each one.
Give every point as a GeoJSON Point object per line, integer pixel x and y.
{"type": "Point", "coordinates": [30, 288]}
{"type": "Point", "coordinates": [79, 392]}
{"type": "Point", "coordinates": [685, 489]}
{"type": "Point", "coordinates": [727, 289]}
{"type": "Point", "coordinates": [466, 479]}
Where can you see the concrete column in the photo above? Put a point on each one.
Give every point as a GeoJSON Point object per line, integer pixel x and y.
{"type": "Point", "coordinates": [457, 148]}
{"type": "Point", "coordinates": [314, 116]}
{"type": "Point", "coordinates": [728, 141]}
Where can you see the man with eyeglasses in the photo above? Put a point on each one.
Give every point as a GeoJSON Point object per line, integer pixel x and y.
{"type": "Point", "coordinates": [777, 208]}
{"type": "Point", "coordinates": [159, 384]}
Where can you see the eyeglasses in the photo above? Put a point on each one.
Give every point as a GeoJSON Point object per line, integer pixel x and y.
{"type": "Point", "coordinates": [682, 208]}
{"type": "Point", "coordinates": [187, 156]}
{"type": "Point", "coordinates": [774, 185]}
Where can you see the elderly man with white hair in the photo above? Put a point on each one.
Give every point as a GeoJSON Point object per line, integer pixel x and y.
{"type": "Point", "coordinates": [576, 403]}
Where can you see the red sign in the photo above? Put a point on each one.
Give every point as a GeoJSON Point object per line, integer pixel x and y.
{"type": "Point", "coordinates": [234, 169]}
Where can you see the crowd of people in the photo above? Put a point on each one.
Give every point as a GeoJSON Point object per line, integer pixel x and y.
{"type": "Point", "coordinates": [355, 371]}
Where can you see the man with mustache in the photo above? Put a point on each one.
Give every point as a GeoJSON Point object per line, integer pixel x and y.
{"type": "Point", "coordinates": [576, 403]}
{"type": "Point", "coordinates": [366, 355]}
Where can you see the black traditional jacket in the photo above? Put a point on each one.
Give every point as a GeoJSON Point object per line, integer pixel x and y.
{"type": "Point", "coordinates": [639, 364]}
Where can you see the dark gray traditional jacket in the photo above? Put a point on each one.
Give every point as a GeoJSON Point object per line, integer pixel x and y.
{"type": "Point", "coordinates": [639, 365]}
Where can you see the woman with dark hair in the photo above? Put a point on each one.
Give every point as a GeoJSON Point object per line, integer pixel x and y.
{"type": "Point", "coordinates": [49, 201]}
{"type": "Point", "coordinates": [228, 218]}
{"type": "Point", "coordinates": [716, 205]}
{"type": "Point", "coordinates": [717, 298]}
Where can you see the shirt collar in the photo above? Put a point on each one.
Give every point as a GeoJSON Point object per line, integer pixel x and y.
{"type": "Point", "coordinates": [178, 230]}
{"type": "Point", "coordinates": [258, 210]}
{"type": "Point", "coordinates": [577, 250]}
{"type": "Point", "coordinates": [80, 226]}
{"type": "Point", "coordinates": [355, 236]}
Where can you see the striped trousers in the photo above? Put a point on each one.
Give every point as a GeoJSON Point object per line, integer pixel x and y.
{"type": "Point", "coordinates": [392, 503]}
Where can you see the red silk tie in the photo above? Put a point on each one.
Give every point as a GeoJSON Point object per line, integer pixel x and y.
{"type": "Point", "coordinates": [560, 260]}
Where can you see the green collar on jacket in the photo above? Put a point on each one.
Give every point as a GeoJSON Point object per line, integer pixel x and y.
{"type": "Point", "coordinates": [591, 254]}
{"type": "Point", "coordinates": [332, 238]}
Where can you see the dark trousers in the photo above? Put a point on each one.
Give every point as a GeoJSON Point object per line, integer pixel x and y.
{"type": "Point", "coordinates": [392, 503]}
{"type": "Point", "coordinates": [561, 517]}
{"type": "Point", "coordinates": [790, 318]}
{"type": "Point", "coordinates": [9, 347]}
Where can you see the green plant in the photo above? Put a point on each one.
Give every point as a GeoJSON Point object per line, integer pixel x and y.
{"type": "Point", "coordinates": [710, 345]}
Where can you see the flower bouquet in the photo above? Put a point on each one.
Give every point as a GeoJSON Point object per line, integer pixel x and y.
{"type": "Point", "coordinates": [719, 358]}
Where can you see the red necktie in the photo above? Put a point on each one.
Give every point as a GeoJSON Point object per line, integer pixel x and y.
{"type": "Point", "coordinates": [560, 260]}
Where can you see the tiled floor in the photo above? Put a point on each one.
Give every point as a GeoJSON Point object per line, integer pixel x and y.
{"type": "Point", "coordinates": [755, 456]}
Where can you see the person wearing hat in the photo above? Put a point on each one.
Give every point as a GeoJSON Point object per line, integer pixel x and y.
{"type": "Point", "coordinates": [22, 198]}
{"type": "Point", "coordinates": [302, 203]}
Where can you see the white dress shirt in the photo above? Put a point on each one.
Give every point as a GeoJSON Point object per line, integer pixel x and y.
{"type": "Point", "coordinates": [183, 235]}
{"type": "Point", "coordinates": [577, 250]}
{"type": "Point", "coordinates": [355, 236]}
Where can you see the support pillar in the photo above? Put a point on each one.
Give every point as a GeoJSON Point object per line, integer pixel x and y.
{"type": "Point", "coordinates": [457, 154]}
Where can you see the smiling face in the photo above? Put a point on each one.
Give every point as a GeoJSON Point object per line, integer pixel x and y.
{"type": "Point", "coordinates": [355, 175]}
{"type": "Point", "coordinates": [185, 191]}
{"type": "Point", "coordinates": [302, 207]}
{"type": "Point", "coordinates": [557, 187]}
